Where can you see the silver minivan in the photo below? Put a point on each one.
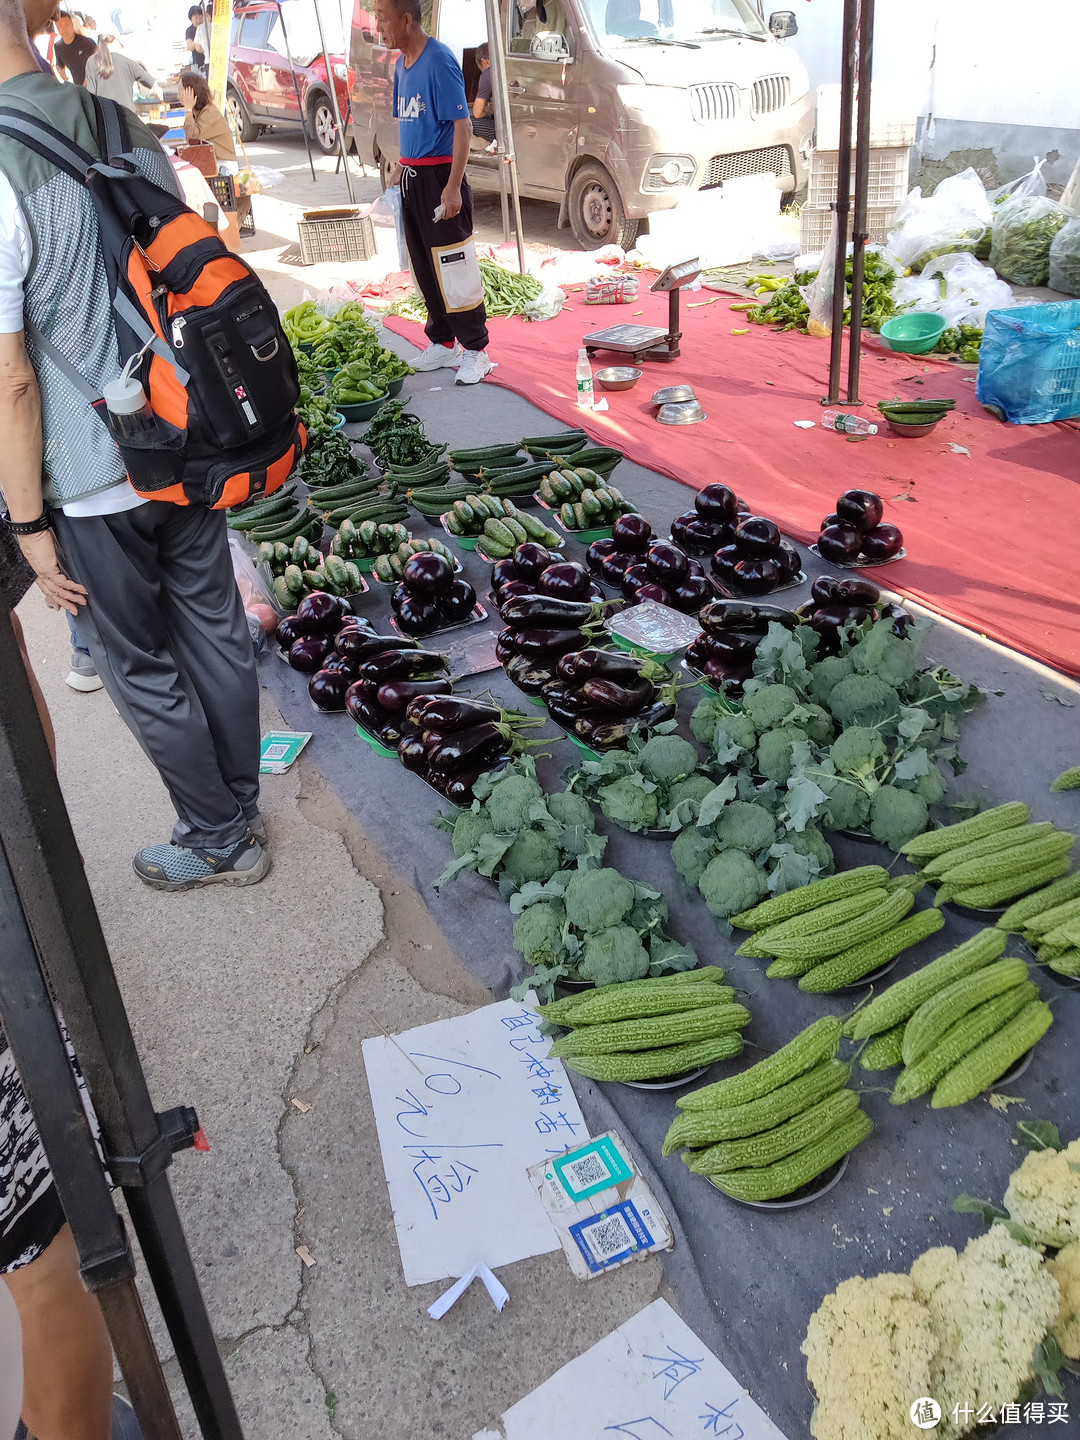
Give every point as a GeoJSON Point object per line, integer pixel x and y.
{"type": "Point", "coordinates": [619, 107]}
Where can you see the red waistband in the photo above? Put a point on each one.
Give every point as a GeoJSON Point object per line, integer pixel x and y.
{"type": "Point", "coordinates": [429, 160]}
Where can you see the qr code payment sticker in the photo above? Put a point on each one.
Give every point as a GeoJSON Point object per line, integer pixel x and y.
{"type": "Point", "coordinates": [276, 752]}
{"type": "Point", "coordinates": [595, 1166]}
{"type": "Point", "coordinates": [611, 1237]}
{"type": "Point", "coordinates": [589, 1170]}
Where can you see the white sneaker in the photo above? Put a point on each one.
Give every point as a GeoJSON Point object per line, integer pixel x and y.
{"type": "Point", "coordinates": [439, 357]}
{"type": "Point", "coordinates": [474, 366]}
{"type": "Point", "coordinates": [83, 676]}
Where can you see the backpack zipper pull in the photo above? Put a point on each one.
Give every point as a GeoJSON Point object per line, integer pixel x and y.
{"type": "Point", "coordinates": [178, 332]}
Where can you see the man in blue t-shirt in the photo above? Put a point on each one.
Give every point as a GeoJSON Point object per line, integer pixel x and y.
{"type": "Point", "coordinates": [434, 131]}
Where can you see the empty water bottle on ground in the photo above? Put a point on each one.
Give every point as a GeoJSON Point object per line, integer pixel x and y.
{"type": "Point", "coordinates": [847, 424]}
{"type": "Point", "coordinates": [584, 380]}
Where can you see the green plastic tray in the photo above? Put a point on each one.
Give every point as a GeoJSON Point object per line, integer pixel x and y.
{"type": "Point", "coordinates": [376, 745]}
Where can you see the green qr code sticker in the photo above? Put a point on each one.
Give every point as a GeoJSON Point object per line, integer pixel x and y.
{"type": "Point", "coordinates": [591, 1168]}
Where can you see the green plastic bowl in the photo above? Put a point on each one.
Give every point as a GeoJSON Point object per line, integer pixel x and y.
{"type": "Point", "coordinates": [340, 421]}
{"type": "Point", "coordinates": [913, 334]}
{"type": "Point", "coordinates": [353, 413]}
{"type": "Point", "coordinates": [393, 387]}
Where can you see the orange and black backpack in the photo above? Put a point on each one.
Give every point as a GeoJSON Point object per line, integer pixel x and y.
{"type": "Point", "coordinates": [215, 364]}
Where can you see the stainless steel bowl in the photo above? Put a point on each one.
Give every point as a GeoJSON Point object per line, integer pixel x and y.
{"type": "Point", "coordinates": [618, 377]}
{"type": "Point", "coordinates": [672, 394]}
{"type": "Point", "coordinates": [685, 412]}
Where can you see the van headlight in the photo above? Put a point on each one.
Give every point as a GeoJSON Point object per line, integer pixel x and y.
{"type": "Point", "coordinates": [655, 103]}
{"type": "Point", "coordinates": [663, 172]}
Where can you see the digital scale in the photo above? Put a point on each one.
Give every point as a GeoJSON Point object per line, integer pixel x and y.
{"type": "Point", "coordinates": [649, 342]}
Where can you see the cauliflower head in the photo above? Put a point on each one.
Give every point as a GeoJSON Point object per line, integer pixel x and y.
{"type": "Point", "coordinates": [774, 752]}
{"type": "Point", "coordinates": [469, 827]}
{"type": "Point", "coordinates": [868, 1349]}
{"type": "Point", "coordinates": [731, 883]}
{"type": "Point", "coordinates": [538, 934]}
{"type": "Point", "coordinates": [570, 809]}
{"type": "Point", "coordinates": [769, 706]}
{"type": "Point", "coordinates": [1065, 1268]}
{"type": "Point", "coordinates": [897, 816]}
{"type": "Point", "coordinates": [863, 700]}
{"type": "Point", "coordinates": [691, 851]}
{"type": "Point", "coordinates": [827, 674]}
{"type": "Point", "coordinates": [628, 804]}
{"type": "Point", "coordinates": [667, 758]}
{"type": "Point", "coordinates": [597, 899]}
{"type": "Point", "coordinates": [1044, 1195]}
{"type": "Point", "coordinates": [613, 955]}
{"type": "Point", "coordinates": [989, 1307]}
{"type": "Point", "coordinates": [694, 788]}
{"type": "Point", "coordinates": [745, 826]}
{"type": "Point", "coordinates": [508, 804]}
{"type": "Point", "coordinates": [532, 856]}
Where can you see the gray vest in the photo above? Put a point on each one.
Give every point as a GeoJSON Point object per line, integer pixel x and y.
{"type": "Point", "coordinates": [65, 294]}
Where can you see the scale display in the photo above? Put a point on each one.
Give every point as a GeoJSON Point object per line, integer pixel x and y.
{"type": "Point", "coordinates": [650, 342]}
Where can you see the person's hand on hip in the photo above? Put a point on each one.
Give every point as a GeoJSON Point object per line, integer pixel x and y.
{"type": "Point", "coordinates": [451, 198]}
{"type": "Point", "coordinates": [60, 591]}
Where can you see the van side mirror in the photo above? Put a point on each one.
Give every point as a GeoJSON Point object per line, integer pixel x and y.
{"type": "Point", "coordinates": [782, 24]}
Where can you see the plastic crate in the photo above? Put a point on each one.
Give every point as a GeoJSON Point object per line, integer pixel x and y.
{"type": "Point", "coordinates": [335, 235]}
{"type": "Point", "coordinates": [815, 220]}
{"type": "Point", "coordinates": [224, 191]}
{"type": "Point", "coordinates": [892, 117]}
{"type": "Point", "coordinates": [886, 184]}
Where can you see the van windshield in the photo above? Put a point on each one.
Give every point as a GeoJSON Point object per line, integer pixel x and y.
{"type": "Point", "coordinates": [672, 20]}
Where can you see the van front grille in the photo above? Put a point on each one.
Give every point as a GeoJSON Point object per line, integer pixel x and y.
{"type": "Point", "coordinates": [769, 94]}
{"type": "Point", "coordinates": [774, 160]}
{"type": "Point", "coordinates": [713, 102]}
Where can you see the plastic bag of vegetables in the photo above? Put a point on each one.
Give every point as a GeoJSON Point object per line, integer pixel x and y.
{"type": "Point", "coordinates": [1024, 229]}
{"type": "Point", "coordinates": [1065, 258]}
{"type": "Point", "coordinates": [955, 217]}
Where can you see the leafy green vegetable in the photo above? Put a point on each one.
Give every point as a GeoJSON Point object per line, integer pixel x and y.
{"type": "Point", "coordinates": [597, 899]}
{"type": "Point", "coordinates": [612, 955]}
{"type": "Point", "coordinates": [731, 882]}
{"type": "Point", "coordinates": [744, 825]}
{"type": "Point", "coordinates": [629, 803]}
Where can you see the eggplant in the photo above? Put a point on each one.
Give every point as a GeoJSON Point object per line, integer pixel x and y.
{"type": "Point", "coordinates": [632, 533]}
{"type": "Point", "coordinates": [505, 646]}
{"type": "Point", "coordinates": [694, 653]}
{"type": "Point", "coordinates": [757, 538]}
{"type": "Point", "coordinates": [667, 563]}
{"type": "Point", "coordinates": [634, 578]}
{"type": "Point", "coordinates": [419, 615]}
{"type": "Point", "coordinates": [613, 734]}
{"type": "Point", "coordinates": [729, 645]}
{"type": "Point", "coordinates": [342, 665]}
{"type": "Point", "coordinates": [614, 699]}
{"type": "Point", "coordinates": [528, 612]}
{"type": "Point", "coordinates": [411, 753]}
{"type": "Point", "coordinates": [728, 672]}
{"type": "Point", "coordinates": [615, 564]}
{"type": "Point", "coordinates": [403, 665]}
{"type": "Point", "coordinates": [565, 693]}
{"type": "Point", "coordinates": [717, 503]}
{"type": "Point", "coordinates": [900, 617]}
{"type": "Point", "coordinates": [839, 544]}
{"type": "Point", "coordinates": [723, 615]}
{"type": "Point", "coordinates": [725, 560]}
{"type": "Point", "coordinates": [805, 612]}
{"type": "Point", "coordinates": [653, 590]}
{"type": "Point", "coordinates": [597, 552]}
{"type": "Point", "coordinates": [531, 560]}
{"type": "Point", "coordinates": [359, 645]}
{"type": "Point", "coordinates": [824, 590]}
{"type": "Point", "coordinates": [286, 633]}
{"type": "Point", "coordinates": [837, 614]}
{"type": "Point", "coordinates": [328, 689]}
{"type": "Point", "coordinates": [390, 735]}
{"type": "Point", "coordinates": [690, 594]}
{"type": "Point", "coordinates": [502, 573]}
{"type": "Point", "coordinates": [459, 787]}
{"type": "Point", "coordinates": [528, 674]}
{"type": "Point", "coordinates": [696, 567]}
{"type": "Point", "coordinates": [567, 714]}
{"type": "Point", "coordinates": [547, 642]}
{"type": "Point", "coordinates": [597, 596]}
{"type": "Point", "coordinates": [308, 653]}
{"type": "Point", "coordinates": [593, 664]}
{"type": "Point", "coordinates": [428, 573]}
{"type": "Point", "coordinates": [882, 543]}
{"type": "Point", "coordinates": [679, 528]}
{"type": "Point", "coordinates": [319, 614]}
{"type": "Point", "coordinates": [856, 592]}
{"type": "Point", "coordinates": [395, 695]}
{"type": "Point", "coordinates": [757, 576]}
{"type": "Point", "coordinates": [860, 508]}
{"type": "Point", "coordinates": [400, 595]}
{"type": "Point", "coordinates": [457, 602]}
{"type": "Point", "coordinates": [511, 588]}
{"type": "Point", "coordinates": [702, 537]}
{"type": "Point", "coordinates": [442, 713]}
{"type": "Point", "coordinates": [828, 520]}
{"type": "Point", "coordinates": [566, 580]}
{"type": "Point", "coordinates": [364, 711]}
{"type": "Point", "coordinates": [478, 745]}
{"type": "Point", "coordinates": [789, 561]}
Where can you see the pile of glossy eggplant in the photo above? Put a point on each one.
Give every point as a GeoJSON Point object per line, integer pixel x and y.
{"type": "Point", "coordinates": [451, 740]}
{"type": "Point", "coordinates": [731, 631]}
{"type": "Point", "coordinates": [309, 640]}
{"type": "Point", "coordinates": [645, 568]}
{"type": "Point", "coordinates": [834, 604]}
{"type": "Point", "coordinates": [711, 523]}
{"type": "Point", "coordinates": [430, 596]}
{"type": "Point", "coordinates": [854, 532]}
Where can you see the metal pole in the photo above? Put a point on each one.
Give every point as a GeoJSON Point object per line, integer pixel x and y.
{"type": "Point", "coordinates": [504, 127]}
{"type": "Point", "coordinates": [862, 180]}
{"type": "Point", "coordinates": [48, 878]}
{"type": "Point", "coordinates": [296, 87]}
{"type": "Point", "coordinates": [332, 79]}
{"type": "Point", "coordinates": [842, 207]}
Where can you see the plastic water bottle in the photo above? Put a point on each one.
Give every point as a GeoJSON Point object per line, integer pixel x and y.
{"type": "Point", "coordinates": [584, 380]}
{"type": "Point", "coordinates": [134, 425]}
{"type": "Point", "coordinates": [847, 424]}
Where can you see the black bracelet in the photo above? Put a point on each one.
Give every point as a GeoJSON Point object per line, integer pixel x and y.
{"type": "Point", "coordinates": [31, 527]}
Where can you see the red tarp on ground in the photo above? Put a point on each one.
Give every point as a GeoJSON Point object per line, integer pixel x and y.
{"type": "Point", "coordinates": [991, 535]}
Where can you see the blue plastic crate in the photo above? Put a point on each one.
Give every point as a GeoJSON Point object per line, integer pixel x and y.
{"type": "Point", "coordinates": [1029, 363]}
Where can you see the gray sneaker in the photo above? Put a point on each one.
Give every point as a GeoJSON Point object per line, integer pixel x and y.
{"type": "Point", "coordinates": [175, 867]}
{"type": "Point", "coordinates": [82, 676]}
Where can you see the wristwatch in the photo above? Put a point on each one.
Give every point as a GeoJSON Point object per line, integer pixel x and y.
{"type": "Point", "coordinates": [31, 527]}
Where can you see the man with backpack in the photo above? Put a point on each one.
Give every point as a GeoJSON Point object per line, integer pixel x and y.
{"type": "Point", "coordinates": [150, 579]}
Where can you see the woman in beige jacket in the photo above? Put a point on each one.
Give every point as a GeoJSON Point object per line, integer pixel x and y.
{"type": "Point", "coordinates": [205, 124]}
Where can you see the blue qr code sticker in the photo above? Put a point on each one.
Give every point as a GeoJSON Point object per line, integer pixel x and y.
{"type": "Point", "coordinates": [612, 1236]}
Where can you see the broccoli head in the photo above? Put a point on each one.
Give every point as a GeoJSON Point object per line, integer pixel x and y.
{"type": "Point", "coordinates": [931, 786]}
{"type": "Point", "coordinates": [863, 700]}
{"type": "Point", "coordinates": [849, 804]}
{"type": "Point", "coordinates": [743, 825]}
{"type": "Point", "coordinates": [691, 851]}
{"type": "Point", "coordinates": [597, 899]}
{"type": "Point", "coordinates": [468, 828]}
{"type": "Point", "coordinates": [818, 724]}
{"type": "Point", "coordinates": [774, 752]}
{"type": "Point", "coordinates": [570, 809]}
{"type": "Point", "coordinates": [705, 715]}
{"type": "Point", "coordinates": [627, 803]}
{"type": "Point", "coordinates": [538, 934]}
{"type": "Point", "coordinates": [694, 789]}
{"type": "Point", "coordinates": [770, 705]}
{"type": "Point", "coordinates": [811, 842]}
{"type": "Point", "coordinates": [884, 654]}
{"type": "Point", "coordinates": [508, 804]}
{"type": "Point", "coordinates": [732, 735]}
{"type": "Point", "coordinates": [827, 674]}
{"type": "Point", "coordinates": [532, 856]}
{"type": "Point", "coordinates": [857, 751]}
{"type": "Point", "coordinates": [731, 883]}
{"type": "Point", "coordinates": [613, 955]}
{"type": "Point", "coordinates": [667, 758]}
{"type": "Point", "coordinates": [897, 816]}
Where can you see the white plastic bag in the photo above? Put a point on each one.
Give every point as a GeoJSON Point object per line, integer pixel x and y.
{"type": "Point", "coordinates": [1065, 259]}
{"type": "Point", "coordinates": [547, 304]}
{"type": "Point", "coordinates": [955, 217]}
{"type": "Point", "coordinates": [971, 289]}
{"type": "Point", "coordinates": [819, 293]}
{"type": "Point", "coordinates": [1024, 230]}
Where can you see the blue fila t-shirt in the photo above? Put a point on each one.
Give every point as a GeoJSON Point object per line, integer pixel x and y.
{"type": "Point", "coordinates": [429, 96]}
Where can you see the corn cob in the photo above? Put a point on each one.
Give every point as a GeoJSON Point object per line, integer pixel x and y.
{"type": "Point", "coordinates": [836, 912]}
{"type": "Point", "coordinates": [1067, 964]}
{"type": "Point", "coordinates": [1021, 911]}
{"type": "Point", "coordinates": [851, 965]}
{"type": "Point", "coordinates": [932, 1019]}
{"type": "Point", "coordinates": [981, 897]}
{"type": "Point", "coordinates": [819, 1041]}
{"type": "Point", "coordinates": [669, 1060]}
{"type": "Point", "coordinates": [988, 845]}
{"type": "Point", "coordinates": [1067, 780]}
{"type": "Point", "coordinates": [773, 1182]}
{"type": "Point", "coordinates": [989, 868]}
{"type": "Point", "coordinates": [648, 1034]}
{"type": "Point", "coordinates": [993, 1057]}
{"type": "Point", "coordinates": [842, 937]}
{"type": "Point", "coordinates": [789, 969]}
{"type": "Point", "coordinates": [1041, 924]}
{"type": "Point", "coordinates": [558, 1011]}
{"type": "Point", "coordinates": [645, 1004]}
{"type": "Point", "coordinates": [696, 1128]}
{"type": "Point", "coordinates": [932, 842]}
{"type": "Point", "coordinates": [884, 1051]}
{"type": "Point", "coordinates": [971, 1030]}
{"type": "Point", "coordinates": [905, 997]}
{"type": "Point", "coordinates": [808, 897]}
{"type": "Point", "coordinates": [772, 1145]}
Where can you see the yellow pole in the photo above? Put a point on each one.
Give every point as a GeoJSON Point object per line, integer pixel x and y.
{"type": "Point", "coordinates": [219, 52]}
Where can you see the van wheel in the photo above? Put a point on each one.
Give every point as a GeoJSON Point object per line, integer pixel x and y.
{"type": "Point", "coordinates": [321, 122]}
{"type": "Point", "coordinates": [596, 212]}
{"type": "Point", "coordinates": [242, 122]}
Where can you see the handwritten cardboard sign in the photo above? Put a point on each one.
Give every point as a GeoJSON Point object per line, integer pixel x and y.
{"type": "Point", "coordinates": [463, 1108]}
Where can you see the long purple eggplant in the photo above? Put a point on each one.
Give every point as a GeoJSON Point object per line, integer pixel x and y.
{"type": "Point", "coordinates": [616, 699]}
{"type": "Point", "coordinates": [531, 612]}
{"type": "Point", "coordinates": [593, 664]}
{"type": "Point", "coordinates": [359, 645]}
{"type": "Point", "coordinates": [395, 695]}
{"type": "Point", "coordinates": [546, 642]}
{"type": "Point", "coordinates": [479, 745]}
{"type": "Point", "coordinates": [528, 674]}
{"type": "Point", "coordinates": [569, 696]}
{"type": "Point", "coordinates": [450, 712]}
{"type": "Point", "coordinates": [609, 734]}
{"type": "Point", "coordinates": [403, 665]}
{"type": "Point", "coordinates": [411, 752]}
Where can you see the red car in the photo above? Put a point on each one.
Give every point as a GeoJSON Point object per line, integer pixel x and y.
{"type": "Point", "coordinates": [267, 89]}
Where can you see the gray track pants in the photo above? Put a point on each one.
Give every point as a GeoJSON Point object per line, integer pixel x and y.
{"type": "Point", "coordinates": [166, 629]}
